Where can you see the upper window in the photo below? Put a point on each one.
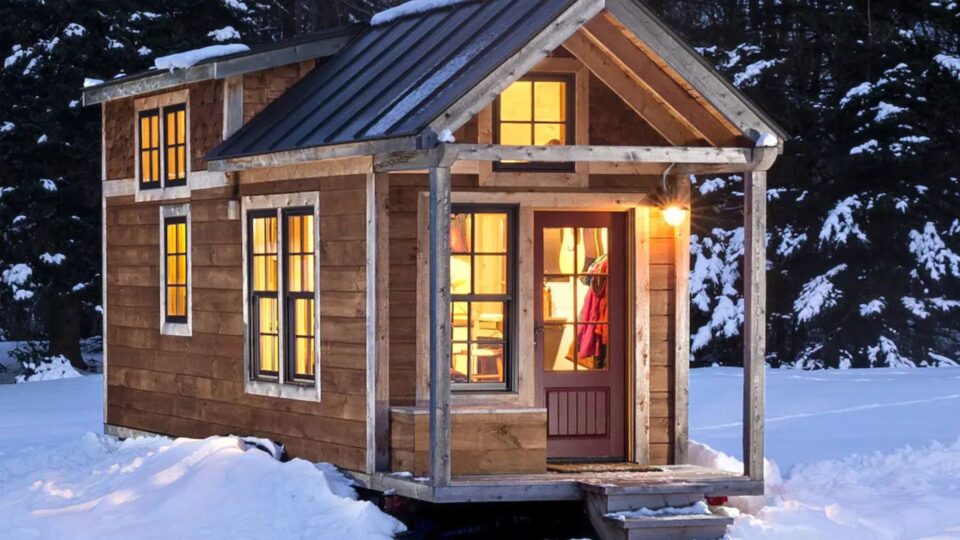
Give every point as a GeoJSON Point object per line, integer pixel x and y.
{"type": "Point", "coordinates": [175, 255]}
{"type": "Point", "coordinates": [481, 286]}
{"type": "Point", "coordinates": [535, 110]}
{"type": "Point", "coordinates": [163, 147]}
{"type": "Point", "coordinates": [284, 352]}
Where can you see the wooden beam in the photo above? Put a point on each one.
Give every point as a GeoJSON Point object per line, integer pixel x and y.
{"type": "Point", "coordinates": [630, 154]}
{"type": "Point", "coordinates": [440, 331]}
{"type": "Point", "coordinates": [377, 323]}
{"type": "Point", "coordinates": [232, 105]}
{"type": "Point", "coordinates": [754, 323]}
{"type": "Point", "coordinates": [666, 44]}
{"type": "Point", "coordinates": [641, 333]}
{"type": "Point", "coordinates": [535, 50]}
{"type": "Point", "coordinates": [316, 153]}
{"type": "Point", "coordinates": [681, 351]}
{"type": "Point", "coordinates": [647, 74]}
{"type": "Point", "coordinates": [631, 90]}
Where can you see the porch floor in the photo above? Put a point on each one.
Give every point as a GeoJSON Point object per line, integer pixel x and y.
{"type": "Point", "coordinates": [552, 486]}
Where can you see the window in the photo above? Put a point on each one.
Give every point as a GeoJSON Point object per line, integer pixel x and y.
{"type": "Point", "coordinates": [175, 255]}
{"type": "Point", "coordinates": [283, 352]}
{"type": "Point", "coordinates": [175, 129]}
{"type": "Point", "coordinates": [535, 110]}
{"type": "Point", "coordinates": [163, 147]}
{"type": "Point", "coordinates": [481, 286]}
{"type": "Point", "coordinates": [150, 149]}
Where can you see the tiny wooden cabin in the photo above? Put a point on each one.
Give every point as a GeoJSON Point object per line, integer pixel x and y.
{"type": "Point", "coordinates": [453, 244]}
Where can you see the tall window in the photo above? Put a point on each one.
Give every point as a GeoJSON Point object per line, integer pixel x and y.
{"type": "Point", "coordinates": [299, 262]}
{"type": "Point", "coordinates": [175, 253]}
{"type": "Point", "coordinates": [150, 149]}
{"type": "Point", "coordinates": [535, 110]}
{"type": "Point", "coordinates": [286, 354]}
{"type": "Point", "coordinates": [175, 129]}
{"type": "Point", "coordinates": [163, 147]}
{"type": "Point", "coordinates": [481, 285]}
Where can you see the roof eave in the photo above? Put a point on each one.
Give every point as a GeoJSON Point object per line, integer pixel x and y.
{"type": "Point", "coordinates": [218, 68]}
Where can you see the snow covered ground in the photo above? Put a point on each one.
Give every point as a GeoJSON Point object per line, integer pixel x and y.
{"type": "Point", "coordinates": [865, 454]}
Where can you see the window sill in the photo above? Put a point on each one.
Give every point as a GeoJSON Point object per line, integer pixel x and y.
{"type": "Point", "coordinates": [176, 329]}
{"type": "Point", "coordinates": [163, 194]}
{"type": "Point", "coordinates": [300, 392]}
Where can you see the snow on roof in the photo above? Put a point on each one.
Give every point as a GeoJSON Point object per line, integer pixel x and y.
{"type": "Point", "coordinates": [411, 8]}
{"type": "Point", "coordinates": [183, 60]}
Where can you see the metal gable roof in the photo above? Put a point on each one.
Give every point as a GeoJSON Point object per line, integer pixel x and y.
{"type": "Point", "coordinates": [395, 78]}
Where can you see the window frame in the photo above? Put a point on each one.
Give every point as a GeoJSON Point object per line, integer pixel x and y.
{"type": "Point", "coordinates": [511, 307]}
{"type": "Point", "coordinates": [164, 111]}
{"type": "Point", "coordinates": [279, 386]}
{"type": "Point", "coordinates": [176, 326]}
{"type": "Point", "coordinates": [570, 124]}
{"type": "Point", "coordinates": [289, 335]}
{"type": "Point", "coordinates": [254, 296]}
{"type": "Point", "coordinates": [162, 190]}
{"type": "Point", "coordinates": [167, 222]}
{"type": "Point", "coordinates": [158, 183]}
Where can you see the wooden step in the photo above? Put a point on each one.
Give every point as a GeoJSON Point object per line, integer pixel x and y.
{"type": "Point", "coordinates": [608, 498]}
{"type": "Point", "coordinates": [698, 527]}
{"type": "Point", "coordinates": [646, 488]}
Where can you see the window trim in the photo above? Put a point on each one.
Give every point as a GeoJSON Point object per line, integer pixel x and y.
{"type": "Point", "coordinates": [277, 386]}
{"type": "Point", "coordinates": [511, 310]}
{"type": "Point", "coordinates": [570, 79]}
{"type": "Point", "coordinates": [161, 191]}
{"type": "Point", "coordinates": [177, 326]}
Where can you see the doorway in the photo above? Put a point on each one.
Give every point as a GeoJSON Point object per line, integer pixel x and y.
{"type": "Point", "coordinates": [579, 324]}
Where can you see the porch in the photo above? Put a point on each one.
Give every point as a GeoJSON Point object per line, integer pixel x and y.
{"type": "Point", "coordinates": [552, 486]}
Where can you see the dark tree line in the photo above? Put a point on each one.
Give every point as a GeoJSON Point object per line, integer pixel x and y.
{"type": "Point", "coordinates": [864, 242]}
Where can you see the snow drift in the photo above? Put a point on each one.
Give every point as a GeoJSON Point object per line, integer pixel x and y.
{"type": "Point", "coordinates": [157, 489]}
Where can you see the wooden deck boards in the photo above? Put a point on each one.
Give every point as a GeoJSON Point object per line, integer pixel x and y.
{"type": "Point", "coordinates": [554, 486]}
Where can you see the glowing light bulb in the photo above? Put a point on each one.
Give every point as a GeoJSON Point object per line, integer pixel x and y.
{"type": "Point", "coordinates": [674, 215]}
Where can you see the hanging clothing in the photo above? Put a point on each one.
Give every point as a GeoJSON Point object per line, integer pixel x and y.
{"type": "Point", "coordinates": [593, 336]}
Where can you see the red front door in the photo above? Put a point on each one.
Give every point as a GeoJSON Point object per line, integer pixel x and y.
{"type": "Point", "coordinates": [579, 325]}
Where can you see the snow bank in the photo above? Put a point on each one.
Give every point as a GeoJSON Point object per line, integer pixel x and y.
{"type": "Point", "coordinates": [187, 59]}
{"type": "Point", "coordinates": [55, 368]}
{"type": "Point", "coordinates": [157, 489]}
{"type": "Point", "coordinates": [411, 8]}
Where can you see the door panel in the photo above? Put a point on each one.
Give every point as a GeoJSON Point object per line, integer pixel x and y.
{"type": "Point", "coordinates": [579, 325]}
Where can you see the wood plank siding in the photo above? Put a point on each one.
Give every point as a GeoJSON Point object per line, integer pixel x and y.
{"type": "Point", "coordinates": [495, 442]}
{"type": "Point", "coordinates": [193, 386]}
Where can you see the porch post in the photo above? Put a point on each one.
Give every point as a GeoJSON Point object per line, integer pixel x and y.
{"type": "Point", "coordinates": [754, 323]}
{"type": "Point", "coordinates": [440, 325]}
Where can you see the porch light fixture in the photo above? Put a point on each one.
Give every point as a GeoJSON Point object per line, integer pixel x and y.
{"type": "Point", "coordinates": [674, 215]}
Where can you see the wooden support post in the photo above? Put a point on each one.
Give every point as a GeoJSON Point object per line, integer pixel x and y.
{"type": "Point", "coordinates": [440, 346]}
{"type": "Point", "coordinates": [681, 352]}
{"type": "Point", "coordinates": [640, 232]}
{"type": "Point", "coordinates": [754, 323]}
{"type": "Point", "coordinates": [377, 321]}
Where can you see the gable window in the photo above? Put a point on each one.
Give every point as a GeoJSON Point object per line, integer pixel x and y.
{"type": "Point", "coordinates": [481, 286]}
{"type": "Point", "coordinates": [536, 110]}
{"type": "Point", "coordinates": [162, 135]}
{"type": "Point", "coordinates": [176, 269]}
{"type": "Point", "coordinates": [282, 287]}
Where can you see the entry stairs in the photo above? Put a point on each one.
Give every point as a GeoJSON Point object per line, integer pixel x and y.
{"type": "Point", "coordinates": [667, 511]}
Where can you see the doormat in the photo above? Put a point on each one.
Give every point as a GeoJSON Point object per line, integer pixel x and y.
{"type": "Point", "coordinates": [613, 466]}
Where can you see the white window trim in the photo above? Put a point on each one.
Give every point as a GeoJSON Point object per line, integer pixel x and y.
{"type": "Point", "coordinates": [281, 389]}
{"type": "Point", "coordinates": [161, 193]}
{"type": "Point", "coordinates": [175, 328]}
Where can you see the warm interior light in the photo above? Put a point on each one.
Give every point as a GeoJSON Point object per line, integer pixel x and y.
{"type": "Point", "coordinates": [674, 215]}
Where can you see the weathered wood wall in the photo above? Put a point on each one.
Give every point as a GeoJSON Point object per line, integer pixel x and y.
{"type": "Point", "coordinates": [193, 386]}
{"type": "Point", "coordinates": [483, 443]}
{"type": "Point", "coordinates": [260, 88]}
